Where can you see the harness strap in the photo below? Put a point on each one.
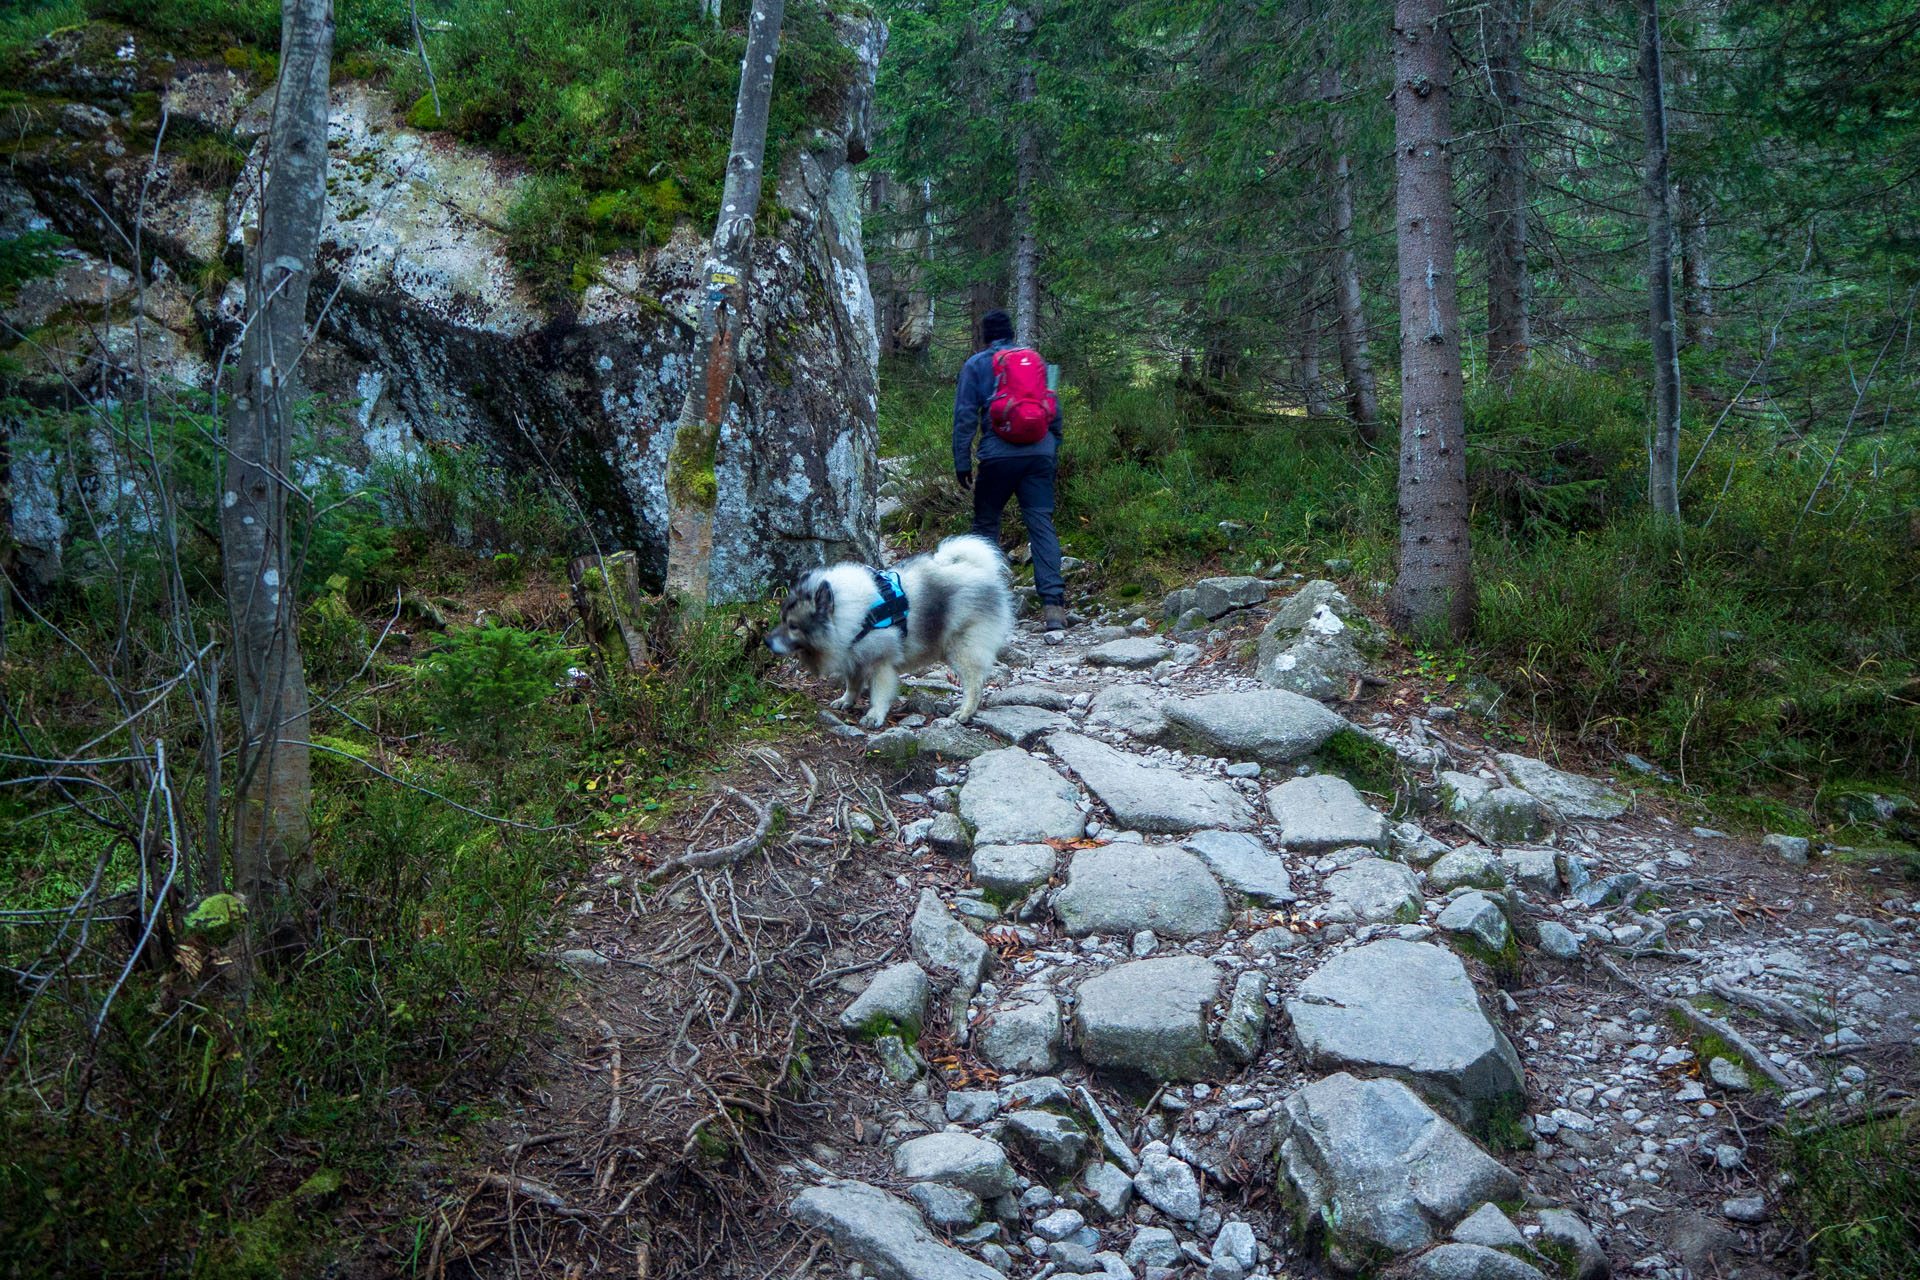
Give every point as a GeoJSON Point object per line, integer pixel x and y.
{"type": "Point", "coordinates": [892, 609]}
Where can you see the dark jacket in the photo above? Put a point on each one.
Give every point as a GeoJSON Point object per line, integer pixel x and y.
{"type": "Point", "coordinates": [970, 402]}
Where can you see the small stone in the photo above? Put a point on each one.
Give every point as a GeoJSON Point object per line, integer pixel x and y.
{"type": "Point", "coordinates": [1490, 1227]}
{"type": "Point", "coordinates": [1153, 1247]}
{"type": "Point", "coordinates": [902, 1065]}
{"type": "Point", "coordinates": [1013, 869]}
{"type": "Point", "coordinates": [948, 836]}
{"type": "Point", "coordinates": [1024, 1037]}
{"type": "Point", "coordinates": [1472, 1262]}
{"type": "Point", "coordinates": [972, 1106]}
{"type": "Point", "coordinates": [1791, 849]}
{"type": "Point", "coordinates": [1236, 1244]}
{"type": "Point", "coordinates": [1059, 1224]}
{"type": "Point", "coordinates": [1245, 1023]}
{"type": "Point", "coordinates": [1470, 867]}
{"type": "Point", "coordinates": [896, 999]}
{"type": "Point", "coordinates": [1144, 944]}
{"type": "Point", "coordinates": [944, 947]}
{"type": "Point", "coordinates": [1168, 1184]}
{"type": "Point", "coordinates": [1745, 1209]}
{"type": "Point", "coordinates": [945, 1207]}
{"type": "Point", "coordinates": [1055, 1143]}
{"type": "Point", "coordinates": [1729, 1075]}
{"type": "Point", "coordinates": [1559, 941]}
{"type": "Point", "coordinates": [1478, 916]}
{"type": "Point", "coordinates": [1569, 1233]}
{"type": "Point", "coordinates": [1135, 653]}
{"type": "Point", "coordinates": [1324, 812]}
{"type": "Point", "coordinates": [1110, 1188]}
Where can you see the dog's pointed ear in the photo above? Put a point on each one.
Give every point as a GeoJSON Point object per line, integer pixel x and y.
{"type": "Point", "coordinates": [823, 600]}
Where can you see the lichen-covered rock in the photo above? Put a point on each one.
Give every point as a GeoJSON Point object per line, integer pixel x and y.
{"type": "Point", "coordinates": [430, 335]}
{"type": "Point", "coordinates": [1316, 643]}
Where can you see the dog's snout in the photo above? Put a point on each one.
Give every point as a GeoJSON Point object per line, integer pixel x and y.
{"type": "Point", "coordinates": [779, 641]}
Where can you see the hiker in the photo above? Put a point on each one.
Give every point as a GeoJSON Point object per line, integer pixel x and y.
{"type": "Point", "coordinates": [1006, 403]}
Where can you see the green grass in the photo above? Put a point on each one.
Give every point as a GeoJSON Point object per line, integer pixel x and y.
{"type": "Point", "coordinates": [1856, 1198]}
{"type": "Point", "coordinates": [1774, 657]}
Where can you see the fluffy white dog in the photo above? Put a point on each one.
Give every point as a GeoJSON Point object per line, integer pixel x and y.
{"type": "Point", "coordinates": [868, 627]}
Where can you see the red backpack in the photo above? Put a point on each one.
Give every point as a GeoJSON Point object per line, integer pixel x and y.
{"type": "Point", "coordinates": [1022, 408]}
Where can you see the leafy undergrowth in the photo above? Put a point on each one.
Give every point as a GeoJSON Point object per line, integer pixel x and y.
{"type": "Point", "coordinates": [1774, 656]}
{"type": "Point", "coordinates": [1855, 1195]}
{"type": "Point", "coordinates": [465, 767]}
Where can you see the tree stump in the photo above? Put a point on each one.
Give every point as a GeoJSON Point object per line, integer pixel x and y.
{"type": "Point", "coordinates": [613, 608]}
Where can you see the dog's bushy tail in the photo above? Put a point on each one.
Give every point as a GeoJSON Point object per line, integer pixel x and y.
{"type": "Point", "coordinates": [973, 552]}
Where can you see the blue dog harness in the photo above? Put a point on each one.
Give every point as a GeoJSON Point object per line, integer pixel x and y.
{"type": "Point", "coordinates": [892, 609]}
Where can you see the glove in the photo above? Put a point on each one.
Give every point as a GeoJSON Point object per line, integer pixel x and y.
{"type": "Point", "coordinates": [965, 478]}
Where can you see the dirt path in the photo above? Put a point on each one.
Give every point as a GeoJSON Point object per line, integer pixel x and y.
{"type": "Point", "coordinates": [700, 1079]}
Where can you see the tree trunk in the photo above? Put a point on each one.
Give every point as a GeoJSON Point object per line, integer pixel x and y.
{"type": "Point", "coordinates": [1434, 588]}
{"type": "Point", "coordinates": [1696, 275]}
{"type": "Point", "coordinates": [1663, 470]}
{"type": "Point", "coordinates": [1363, 398]}
{"type": "Point", "coordinates": [691, 481]}
{"type": "Point", "coordinates": [1026, 251]}
{"type": "Point", "coordinates": [1314, 391]}
{"type": "Point", "coordinates": [272, 786]}
{"type": "Point", "coordinates": [887, 305]}
{"type": "Point", "coordinates": [916, 322]}
{"type": "Point", "coordinates": [1507, 336]}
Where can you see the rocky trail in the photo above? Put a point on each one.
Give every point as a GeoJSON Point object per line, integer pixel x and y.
{"type": "Point", "coordinates": [1126, 978]}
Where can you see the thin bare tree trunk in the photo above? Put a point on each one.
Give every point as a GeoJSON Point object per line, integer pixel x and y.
{"type": "Point", "coordinates": [1434, 587]}
{"type": "Point", "coordinates": [1356, 366]}
{"type": "Point", "coordinates": [887, 302]}
{"type": "Point", "coordinates": [1026, 250]}
{"type": "Point", "coordinates": [1508, 338]}
{"type": "Point", "coordinates": [1663, 457]}
{"type": "Point", "coordinates": [692, 486]}
{"type": "Point", "coordinates": [1696, 275]}
{"type": "Point", "coordinates": [272, 785]}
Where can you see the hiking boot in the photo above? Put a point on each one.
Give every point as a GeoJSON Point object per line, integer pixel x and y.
{"type": "Point", "coordinates": [1056, 617]}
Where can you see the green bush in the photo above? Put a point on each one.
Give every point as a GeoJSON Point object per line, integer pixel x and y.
{"type": "Point", "coordinates": [486, 684]}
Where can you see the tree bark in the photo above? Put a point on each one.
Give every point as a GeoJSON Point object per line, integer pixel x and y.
{"type": "Point", "coordinates": [691, 481]}
{"type": "Point", "coordinates": [1314, 390]}
{"type": "Point", "coordinates": [272, 787]}
{"type": "Point", "coordinates": [1508, 339]}
{"type": "Point", "coordinates": [916, 323]}
{"type": "Point", "coordinates": [1026, 251]}
{"type": "Point", "coordinates": [1433, 590]}
{"type": "Point", "coordinates": [1663, 458]}
{"type": "Point", "coordinates": [1356, 366]}
{"type": "Point", "coordinates": [1696, 275]}
{"type": "Point", "coordinates": [887, 302]}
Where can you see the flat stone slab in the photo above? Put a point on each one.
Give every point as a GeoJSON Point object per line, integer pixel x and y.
{"type": "Point", "coordinates": [1324, 812]}
{"type": "Point", "coordinates": [1406, 1009]}
{"type": "Point", "coordinates": [1011, 797]}
{"type": "Point", "coordinates": [1134, 652]}
{"type": "Point", "coordinates": [1373, 890]}
{"type": "Point", "coordinates": [1272, 726]}
{"type": "Point", "coordinates": [1146, 798]}
{"type": "Point", "coordinates": [1020, 724]}
{"type": "Point", "coordinates": [957, 1159]}
{"type": "Point", "coordinates": [1135, 711]}
{"type": "Point", "coordinates": [884, 1234]}
{"type": "Point", "coordinates": [1013, 870]}
{"type": "Point", "coordinates": [1123, 888]}
{"type": "Point", "coordinates": [1565, 795]}
{"type": "Point", "coordinates": [1244, 863]}
{"type": "Point", "coordinates": [1028, 695]}
{"type": "Point", "coordinates": [1479, 917]}
{"type": "Point", "coordinates": [1149, 1016]}
{"type": "Point", "coordinates": [1380, 1169]}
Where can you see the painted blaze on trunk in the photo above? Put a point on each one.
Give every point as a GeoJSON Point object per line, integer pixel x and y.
{"type": "Point", "coordinates": [1434, 587]}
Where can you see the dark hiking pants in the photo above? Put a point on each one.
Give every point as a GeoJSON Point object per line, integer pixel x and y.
{"type": "Point", "coordinates": [1030, 480]}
